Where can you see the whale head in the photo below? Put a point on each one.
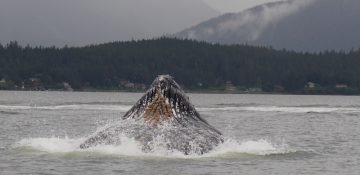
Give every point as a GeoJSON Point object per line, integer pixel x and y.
{"type": "Point", "coordinates": [165, 102]}
{"type": "Point", "coordinates": [163, 112]}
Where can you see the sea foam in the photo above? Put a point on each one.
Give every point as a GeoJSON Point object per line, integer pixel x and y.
{"type": "Point", "coordinates": [130, 147]}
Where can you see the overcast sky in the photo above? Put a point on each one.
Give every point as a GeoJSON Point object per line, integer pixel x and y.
{"type": "Point", "coordinates": [234, 5]}
{"type": "Point", "coordinates": [80, 22]}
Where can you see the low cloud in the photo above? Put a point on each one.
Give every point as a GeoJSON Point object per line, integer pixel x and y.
{"type": "Point", "coordinates": [252, 22]}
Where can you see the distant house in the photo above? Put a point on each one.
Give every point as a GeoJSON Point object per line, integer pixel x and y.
{"type": "Point", "coordinates": [129, 85]}
{"type": "Point", "coordinates": [36, 84]}
{"type": "Point", "coordinates": [254, 90]}
{"type": "Point", "coordinates": [7, 84]}
{"type": "Point", "coordinates": [140, 86]}
{"type": "Point", "coordinates": [3, 83]}
{"type": "Point", "coordinates": [126, 84]}
{"type": "Point", "coordinates": [67, 86]}
{"type": "Point", "coordinates": [310, 85]}
{"type": "Point", "coordinates": [341, 86]}
{"type": "Point", "coordinates": [279, 88]}
{"type": "Point", "coordinates": [123, 82]}
{"type": "Point", "coordinates": [229, 86]}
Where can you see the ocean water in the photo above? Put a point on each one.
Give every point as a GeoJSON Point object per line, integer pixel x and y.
{"type": "Point", "coordinates": [264, 134]}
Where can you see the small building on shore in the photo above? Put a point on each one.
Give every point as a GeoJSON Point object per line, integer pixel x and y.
{"type": "Point", "coordinates": [36, 84]}
{"type": "Point", "coordinates": [229, 86]}
{"type": "Point", "coordinates": [310, 85]}
{"type": "Point", "coordinates": [67, 86]}
{"type": "Point", "coordinates": [341, 86]}
{"type": "Point", "coordinates": [130, 85]}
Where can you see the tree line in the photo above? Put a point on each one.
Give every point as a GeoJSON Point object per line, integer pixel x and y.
{"type": "Point", "coordinates": [195, 65]}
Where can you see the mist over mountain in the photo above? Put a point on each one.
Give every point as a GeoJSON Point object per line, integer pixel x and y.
{"type": "Point", "coordinates": [300, 25]}
{"type": "Point", "coordinates": [81, 22]}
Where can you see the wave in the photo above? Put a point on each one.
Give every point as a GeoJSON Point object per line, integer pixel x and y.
{"type": "Point", "coordinates": [9, 112]}
{"type": "Point", "coordinates": [131, 148]}
{"type": "Point", "coordinates": [67, 107]}
{"type": "Point", "coordinates": [122, 107]}
{"type": "Point", "coordinates": [286, 109]}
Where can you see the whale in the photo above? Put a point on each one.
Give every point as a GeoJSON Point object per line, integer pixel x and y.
{"type": "Point", "coordinates": [163, 116]}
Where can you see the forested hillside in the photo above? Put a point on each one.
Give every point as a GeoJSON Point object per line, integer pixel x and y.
{"type": "Point", "coordinates": [195, 65]}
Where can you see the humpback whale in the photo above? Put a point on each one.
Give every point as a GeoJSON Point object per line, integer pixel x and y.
{"type": "Point", "coordinates": [164, 117]}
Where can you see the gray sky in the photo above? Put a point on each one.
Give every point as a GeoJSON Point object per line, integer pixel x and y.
{"type": "Point", "coordinates": [81, 22]}
{"type": "Point", "coordinates": [234, 5]}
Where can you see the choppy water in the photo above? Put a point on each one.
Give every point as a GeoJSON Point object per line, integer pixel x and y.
{"type": "Point", "coordinates": [265, 134]}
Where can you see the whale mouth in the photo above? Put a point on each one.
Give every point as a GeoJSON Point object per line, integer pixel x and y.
{"type": "Point", "coordinates": [159, 109]}
{"type": "Point", "coordinates": [165, 102]}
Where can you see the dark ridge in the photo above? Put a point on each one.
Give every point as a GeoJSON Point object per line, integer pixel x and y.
{"type": "Point", "coordinates": [197, 65]}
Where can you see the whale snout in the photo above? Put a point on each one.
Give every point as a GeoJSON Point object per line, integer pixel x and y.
{"type": "Point", "coordinates": [165, 82]}
{"type": "Point", "coordinates": [165, 78]}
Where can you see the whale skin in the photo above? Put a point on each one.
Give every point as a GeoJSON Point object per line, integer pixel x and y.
{"type": "Point", "coordinates": [164, 117]}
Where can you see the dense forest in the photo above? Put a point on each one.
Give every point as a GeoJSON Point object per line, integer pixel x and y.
{"type": "Point", "coordinates": [195, 65]}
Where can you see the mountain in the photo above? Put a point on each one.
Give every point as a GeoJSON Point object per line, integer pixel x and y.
{"type": "Point", "coordinates": [81, 22]}
{"type": "Point", "coordinates": [300, 25]}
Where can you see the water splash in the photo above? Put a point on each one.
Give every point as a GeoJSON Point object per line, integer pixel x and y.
{"type": "Point", "coordinates": [131, 148]}
{"type": "Point", "coordinates": [260, 147]}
